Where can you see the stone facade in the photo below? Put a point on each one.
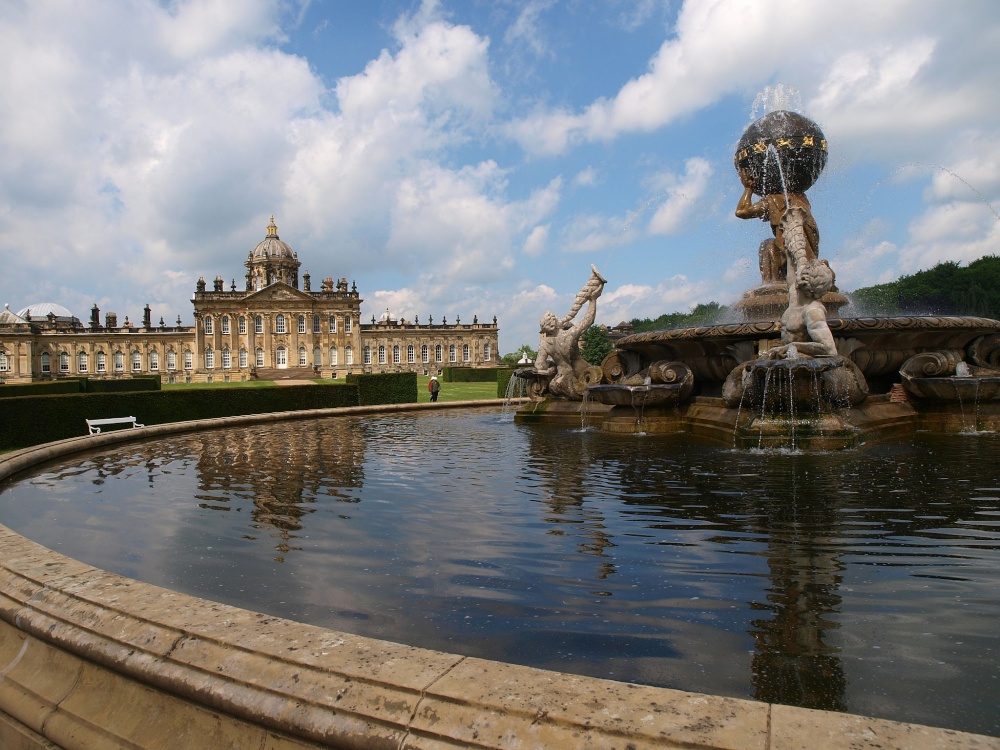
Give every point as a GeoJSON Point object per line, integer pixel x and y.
{"type": "Point", "coordinates": [274, 323]}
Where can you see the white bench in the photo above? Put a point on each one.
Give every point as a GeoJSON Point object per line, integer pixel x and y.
{"type": "Point", "coordinates": [94, 425]}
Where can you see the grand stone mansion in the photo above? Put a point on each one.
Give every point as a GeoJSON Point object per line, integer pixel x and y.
{"type": "Point", "coordinates": [275, 323]}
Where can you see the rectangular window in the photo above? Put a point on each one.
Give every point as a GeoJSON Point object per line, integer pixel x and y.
{"type": "Point", "coordinates": [381, 355]}
{"type": "Point", "coordinates": [258, 324]}
{"type": "Point", "coordinates": [4, 362]}
{"type": "Point", "coordinates": [102, 362]}
{"type": "Point", "coordinates": [46, 362]}
{"type": "Point", "coordinates": [367, 355]}
{"type": "Point", "coordinates": [302, 324]}
{"type": "Point", "coordinates": [395, 355]}
{"type": "Point", "coordinates": [208, 326]}
{"type": "Point", "coordinates": [425, 355]}
{"type": "Point", "coordinates": [243, 358]}
{"type": "Point", "coordinates": [243, 325]}
{"type": "Point", "coordinates": [227, 359]}
{"type": "Point", "coordinates": [333, 356]}
{"type": "Point", "coordinates": [333, 324]}
{"type": "Point", "coordinates": [439, 353]}
{"type": "Point", "coordinates": [410, 352]}
{"type": "Point", "coordinates": [188, 361]}
{"type": "Point", "coordinates": [260, 358]}
{"type": "Point", "coordinates": [302, 356]}
{"type": "Point", "coordinates": [347, 324]}
{"type": "Point", "coordinates": [171, 360]}
{"type": "Point", "coordinates": [279, 324]}
{"type": "Point", "coordinates": [349, 355]}
{"type": "Point", "coordinates": [451, 354]}
{"type": "Point", "coordinates": [316, 324]}
{"type": "Point", "coordinates": [465, 353]}
{"type": "Point", "coordinates": [209, 359]}
{"type": "Point", "coordinates": [154, 361]}
{"type": "Point", "coordinates": [486, 353]}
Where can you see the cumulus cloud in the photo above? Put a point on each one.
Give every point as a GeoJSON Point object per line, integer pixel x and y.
{"type": "Point", "coordinates": [682, 196]}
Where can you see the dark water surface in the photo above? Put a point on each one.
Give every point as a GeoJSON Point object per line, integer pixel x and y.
{"type": "Point", "coordinates": [864, 581]}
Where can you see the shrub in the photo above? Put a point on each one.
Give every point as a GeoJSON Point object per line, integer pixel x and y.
{"type": "Point", "coordinates": [385, 388]}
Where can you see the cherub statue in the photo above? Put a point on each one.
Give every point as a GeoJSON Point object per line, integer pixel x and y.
{"type": "Point", "coordinates": [559, 349]}
{"type": "Point", "coordinates": [804, 331]}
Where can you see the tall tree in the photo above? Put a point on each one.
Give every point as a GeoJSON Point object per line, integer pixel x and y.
{"type": "Point", "coordinates": [595, 345]}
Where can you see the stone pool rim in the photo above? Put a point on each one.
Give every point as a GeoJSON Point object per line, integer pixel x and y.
{"type": "Point", "coordinates": [91, 659]}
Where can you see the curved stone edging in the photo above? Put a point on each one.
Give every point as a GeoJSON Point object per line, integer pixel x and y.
{"type": "Point", "coordinates": [90, 659]}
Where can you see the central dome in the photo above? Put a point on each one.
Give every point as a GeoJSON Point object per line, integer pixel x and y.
{"type": "Point", "coordinates": [271, 246]}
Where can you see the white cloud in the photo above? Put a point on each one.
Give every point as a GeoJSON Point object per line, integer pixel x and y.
{"type": "Point", "coordinates": [537, 241]}
{"type": "Point", "coordinates": [586, 177]}
{"type": "Point", "coordinates": [683, 193]}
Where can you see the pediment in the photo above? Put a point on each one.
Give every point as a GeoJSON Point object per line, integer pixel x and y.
{"type": "Point", "coordinates": [278, 292]}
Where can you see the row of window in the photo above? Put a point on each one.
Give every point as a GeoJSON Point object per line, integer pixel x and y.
{"type": "Point", "coordinates": [280, 324]}
{"type": "Point", "coordinates": [425, 354]}
{"type": "Point", "coordinates": [281, 356]}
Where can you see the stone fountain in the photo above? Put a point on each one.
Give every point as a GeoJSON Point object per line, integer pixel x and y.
{"type": "Point", "coordinates": [792, 373]}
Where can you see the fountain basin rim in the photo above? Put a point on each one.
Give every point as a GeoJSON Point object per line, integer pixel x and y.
{"type": "Point", "coordinates": [841, 326]}
{"type": "Point", "coordinates": [69, 631]}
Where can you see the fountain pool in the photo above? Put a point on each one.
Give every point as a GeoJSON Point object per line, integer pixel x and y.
{"type": "Point", "coordinates": [654, 559]}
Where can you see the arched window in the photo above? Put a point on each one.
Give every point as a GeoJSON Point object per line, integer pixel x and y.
{"type": "Point", "coordinates": [438, 353]}
{"type": "Point", "coordinates": [451, 353]}
{"type": "Point", "coordinates": [63, 362]}
{"type": "Point", "coordinates": [46, 361]}
{"type": "Point", "coordinates": [225, 324]}
{"type": "Point", "coordinates": [302, 324]}
{"type": "Point", "coordinates": [227, 359]}
{"type": "Point", "coordinates": [102, 362]}
{"type": "Point", "coordinates": [410, 354]}
{"type": "Point", "coordinates": [243, 358]}
{"type": "Point", "coordinates": [302, 355]}
{"type": "Point", "coordinates": [281, 357]}
{"type": "Point", "coordinates": [188, 360]}
{"type": "Point", "coordinates": [366, 355]}
{"type": "Point", "coordinates": [258, 324]}
{"type": "Point", "coordinates": [425, 356]}
{"type": "Point", "coordinates": [209, 328]}
{"type": "Point", "coordinates": [316, 324]}
{"type": "Point", "coordinates": [154, 361]}
{"type": "Point", "coordinates": [333, 356]}
{"type": "Point", "coordinates": [136, 361]}
{"type": "Point", "coordinates": [349, 355]}
{"type": "Point", "coordinates": [381, 354]}
{"type": "Point", "coordinates": [171, 359]}
{"type": "Point", "coordinates": [333, 324]}
{"type": "Point", "coordinates": [242, 324]}
{"type": "Point", "coordinates": [81, 362]}
{"type": "Point", "coordinates": [209, 359]}
{"type": "Point", "coordinates": [119, 361]}
{"type": "Point", "coordinates": [317, 356]}
{"type": "Point", "coordinates": [5, 361]}
{"type": "Point", "coordinates": [259, 357]}
{"type": "Point", "coordinates": [395, 355]}
{"type": "Point", "coordinates": [465, 353]}
{"type": "Point", "coordinates": [279, 324]}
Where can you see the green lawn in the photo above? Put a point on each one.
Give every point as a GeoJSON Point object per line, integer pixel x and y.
{"type": "Point", "coordinates": [456, 391]}
{"type": "Point", "coordinates": [449, 391]}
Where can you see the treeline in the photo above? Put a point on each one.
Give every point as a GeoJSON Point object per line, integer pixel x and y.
{"type": "Point", "coordinates": [702, 315]}
{"type": "Point", "coordinates": [945, 289]}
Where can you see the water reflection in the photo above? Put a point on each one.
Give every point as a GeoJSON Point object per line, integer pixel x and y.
{"type": "Point", "coordinates": [862, 581]}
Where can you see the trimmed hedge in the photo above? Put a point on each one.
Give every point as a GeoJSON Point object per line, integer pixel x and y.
{"type": "Point", "coordinates": [469, 374]}
{"type": "Point", "coordinates": [137, 383]}
{"type": "Point", "coordinates": [385, 388]}
{"type": "Point", "coordinates": [67, 385]}
{"type": "Point", "coordinates": [30, 420]}
{"type": "Point", "coordinates": [503, 381]}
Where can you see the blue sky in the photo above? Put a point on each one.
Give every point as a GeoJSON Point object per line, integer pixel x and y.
{"type": "Point", "coordinates": [474, 158]}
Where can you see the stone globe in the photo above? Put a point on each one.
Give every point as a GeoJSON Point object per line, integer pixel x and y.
{"type": "Point", "coordinates": [782, 152]}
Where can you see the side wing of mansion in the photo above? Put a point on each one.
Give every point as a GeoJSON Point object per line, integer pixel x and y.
{"type": "Point", "coordinates": [272, 324]}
